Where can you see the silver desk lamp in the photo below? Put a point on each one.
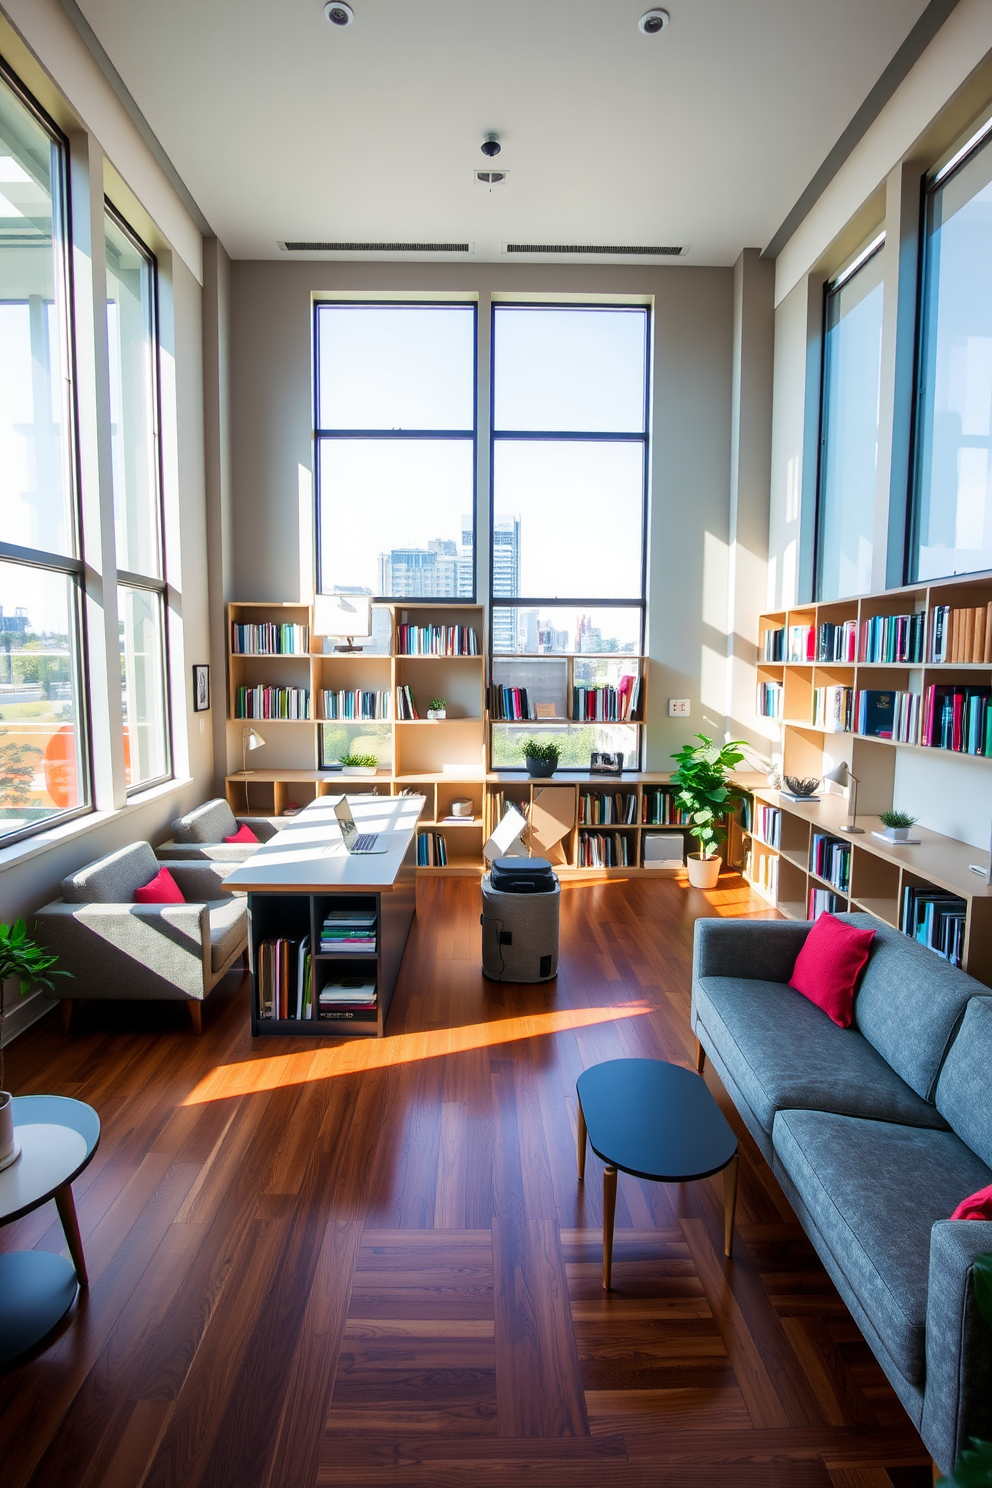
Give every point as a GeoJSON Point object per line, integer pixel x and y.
{"type": "Point", "coordinates": [842, 775]}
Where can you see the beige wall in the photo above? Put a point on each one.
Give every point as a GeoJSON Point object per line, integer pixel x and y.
{"type": "Point", "coordinates": [271, 402]}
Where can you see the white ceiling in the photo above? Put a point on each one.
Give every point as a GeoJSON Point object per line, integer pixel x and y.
{"type": "Point", "coordinates": [285, 127]}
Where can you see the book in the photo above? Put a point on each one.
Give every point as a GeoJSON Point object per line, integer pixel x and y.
{"type": "Point", "coordinates": [876, 711]}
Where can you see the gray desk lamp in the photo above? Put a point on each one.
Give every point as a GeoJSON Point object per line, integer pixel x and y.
{"type": "Point", "coordinates": [841, 775]}
{"type": "Point", "coordinates": [249, 740]}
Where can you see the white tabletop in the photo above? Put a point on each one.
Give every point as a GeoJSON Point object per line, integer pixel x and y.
{"type": "Point", "coordinates": [309, 856]}
{"type": "Point", "coordinates": [49, 1156]}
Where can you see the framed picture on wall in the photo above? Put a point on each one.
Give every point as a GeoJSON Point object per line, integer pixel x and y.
{"type": "Point", "coordinates": [201, 689]}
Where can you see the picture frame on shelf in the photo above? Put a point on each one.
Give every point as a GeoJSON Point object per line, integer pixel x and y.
{"type": "Point", "coordinates": [201, 688]}
{"type": "Point", "coordinates": [601, 763]}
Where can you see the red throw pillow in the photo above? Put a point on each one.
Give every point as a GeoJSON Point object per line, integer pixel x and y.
{"type": "Point", "coordinates": [243, 834]}
{"type": "Point", "coordinates": [978, 1206]}
{"type": "Point", "coordinates": [829, 964]}
{"type": "Point", "coordinates": [163, 889]}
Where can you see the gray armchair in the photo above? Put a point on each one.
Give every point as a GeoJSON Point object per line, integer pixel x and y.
{"type": "Point", "coordinates": [199, 835]}
{"type": "Point", "coordinates": [117, 949]}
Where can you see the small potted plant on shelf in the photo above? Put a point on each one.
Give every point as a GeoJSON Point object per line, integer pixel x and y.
{"type": "Point", "coordinates": [703, 794]}
{"type": "Point", "coordinates": [541, 757]}
{"type": "Point", "coordinates": [898, 825]}
{"type": "Point", "coordinates": [437, 709]}
{"type": "Point", "coordinates": [21, 958]}
{"type": "Point", "coordinates": [359, 764]}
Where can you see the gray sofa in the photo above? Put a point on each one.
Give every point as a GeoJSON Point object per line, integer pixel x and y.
{"type": "Point", "coordinates": [116, 949]}
{"type": "Point", "coordinates": [199, 835]}
{"type": "Point", "coordinates": [875, 1133]}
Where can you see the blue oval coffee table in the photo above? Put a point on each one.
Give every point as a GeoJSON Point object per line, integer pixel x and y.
{"type": "Point", "coordinates": [58, 1137]}
{"type": "Point", "coordinates": [657, 1121]}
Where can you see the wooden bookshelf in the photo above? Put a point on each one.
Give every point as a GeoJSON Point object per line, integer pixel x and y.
{"type": "Point", "coordinates": [880, 872]}
{"type": "Point", "coordinates": [550, 680]}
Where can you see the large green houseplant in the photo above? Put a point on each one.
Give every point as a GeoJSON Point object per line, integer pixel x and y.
{"type": "Point", "coordinates": [23, 960]}
{"type": "Point", "coordinates": [701, 778]}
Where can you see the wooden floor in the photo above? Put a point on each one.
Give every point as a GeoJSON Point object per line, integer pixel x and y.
{"type": "Point", "coordinates": [370, 1262]}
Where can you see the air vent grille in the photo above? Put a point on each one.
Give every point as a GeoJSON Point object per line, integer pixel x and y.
{"type": "Point", "coordinates": [376, 247]}
{"type": "Point", "coordinates": [602, 250]}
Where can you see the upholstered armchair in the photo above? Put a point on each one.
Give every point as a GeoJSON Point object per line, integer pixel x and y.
{"type": "Point", "coordinates": [116, 949]}
{"type": "Point", "coordinates": [199, 835]}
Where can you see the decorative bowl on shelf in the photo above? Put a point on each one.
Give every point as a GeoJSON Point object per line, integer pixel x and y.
{"type": "Point", "coordinates": [800, 787]}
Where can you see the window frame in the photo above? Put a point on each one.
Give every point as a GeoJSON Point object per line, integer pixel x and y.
{"type": "Point", "coordinates": [126, 578]}
{"type": "Point", "coordinates": [461, 435]}
{"type": "Point", "coordinates": [72, 566]}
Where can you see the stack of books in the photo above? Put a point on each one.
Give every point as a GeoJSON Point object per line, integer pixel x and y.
{"type": "Point", "coordinates": [768, 824]}
{"type": "Point", "coordinates": [270, 640]}
{"type": "Point", "coordinates": [837, 642]}
{"type": "Point", "coordinates": [658, 808]}
{"type": "Point", "coordinates": [881, 714]}
{"type": "Point", "coordinates": [285, 978]}
{"type": "Point", "coordinates": [436, 640]}
{"type": "Point", "coordinates": [893, 638]}
{"type": "Point", "coordinates": [830, 858]}
{"type": "Point", "coordinates": [272, 702]}
{"type": "Point", "coordinates": [957, 717]}
{"type": "Point", "coordinates": [348, 932]}
{"type": "Point", "coordinates": [606, 850]}
{"type": "Point", "coordinates": [355, 704]}
{"type": "Point", "coordinates": [600, 809]}
{"type": "Point", "coordinates": [769, 701]}
{"type": "Point", "coordinates": [604, 704]}
{"type": "Point", "coordinates": [346, 999]}
{"type": "Point", "coordinates": [963, 636]}
{"type": "Point", "coordinates": [773, 644]}
{"type": "Point", "coordinates": [833, 708]}
{"type": "Point", "coordinates": [936, 920]}
{"type": "Point", "coordinates": [432, 850]}
{"type": "Point", "coordinates": [823, 901]}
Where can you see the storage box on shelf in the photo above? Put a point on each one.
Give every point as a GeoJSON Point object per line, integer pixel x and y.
{"type": "Point", "coordinates": [859, 680]}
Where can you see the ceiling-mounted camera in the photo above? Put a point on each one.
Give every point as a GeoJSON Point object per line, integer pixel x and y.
{"type": "Point", "coordinates": [491, 146]}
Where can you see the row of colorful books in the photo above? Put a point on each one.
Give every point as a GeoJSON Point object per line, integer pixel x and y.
{"type": "Point", "coordinates": [836, 642]}
{"type": "Point", "coordinates": [882, 714]}
{"type": "Point", "coordinates": [893, 638]}
{"type": "Point", "coordinates": [823, 901]}
{"type": "Point", "coordinates": [961, 635]}
{"type": "Point", "coordinates": [959, 718]}
{"type": "Point", "coordinates": [770, 699]}
{"type": "Point", "coordinates": [272, 702]}
{"type": "Point", "coordinates": [432, 850]}
{"type": "Point", "coordinates": [511, 704]}
{"type": "Point", "coordinates": [406, 708]}
{"type": "Point", "coordinates": [284, 976]}
{"type": "Point", "coordinates": [270, 640]}
{"type": "Point", "coordinates": [347, 932]}
{"type": "Point", "coordinates": [658, 808]}
{"type": "Point", "coordinates": [768, 824]}
{"type": "Point", "coordinates": [603, 809]}
{"type": "Point", "coordinates": [830, 858]}
{"type": "Point", "coordinates": [355, 704]}
{"type": "Point", "coordinates": [833, 709]}
{"type": "Point", "coordinates": [607, 850]}
{"type": "Point", "coordinates": [436, 640]}
{"type": "Point", "coordinates": [935, 919]}
{"type": "Point", "coordinates": [762, 869]}
{"type": "Point", "coordinates": [605, 704]}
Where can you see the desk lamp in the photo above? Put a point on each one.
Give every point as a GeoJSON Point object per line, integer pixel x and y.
{"type": "Point", "coordinates": [841, 775]}
{"type": "Point", "coordinates": [249, 740]}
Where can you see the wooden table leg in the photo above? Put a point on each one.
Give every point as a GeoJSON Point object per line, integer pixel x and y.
{"type": "Point", "coordinates": [730, 1202]}
{"type": "Point", "coordinates": [582, 1144]}
{"type": "Point", "coordinates": [67, 1214]}
{"type": "Point", "coordinates": [609, 1211]}
{"type": "Point", "coordinates": [700, 1058]}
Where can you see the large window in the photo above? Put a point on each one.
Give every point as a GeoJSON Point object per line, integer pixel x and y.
{"type": "Point", "coordinates": [43, 754]}
{"type": "Point", "coordinates": [395, 404]}
{"type": "Point", "coordinates": [951, 530]}
{"type": "Point", "coordinates": [132, 331]}
{"type": "Point", "coordinates": [852, 363]}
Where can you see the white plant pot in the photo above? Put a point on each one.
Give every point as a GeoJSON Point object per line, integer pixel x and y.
{"type": "Point", "coordinates": [8, 1147]}
{"type": "Point", "coordinates": [437, 715]}
{"type": "Point", "coordinates": [704, 873]}
{"type": "Point", "coordinates": [896, 834]}
{"type": "Point", "coordinates": [359, 770]}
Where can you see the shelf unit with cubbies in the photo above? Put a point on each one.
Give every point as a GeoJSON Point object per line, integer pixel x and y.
{"type": "Point", "coordinates": [559, 692]}
{"type": "Point", "coordinates": [898, 650]}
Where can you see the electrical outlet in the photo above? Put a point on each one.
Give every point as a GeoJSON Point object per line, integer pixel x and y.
{"type": "Point", "coordinates": [678, 707]}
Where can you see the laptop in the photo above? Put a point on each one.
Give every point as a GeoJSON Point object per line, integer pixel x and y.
{"type": "Point", "coordinates": [354, 840]}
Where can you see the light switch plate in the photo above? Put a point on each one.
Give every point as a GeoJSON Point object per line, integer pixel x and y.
{"type": "Point", "coordinates": [678, 707]}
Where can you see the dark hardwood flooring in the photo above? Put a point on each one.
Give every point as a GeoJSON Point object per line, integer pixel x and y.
{"type": "Point", "coordinates": [370, 1262]}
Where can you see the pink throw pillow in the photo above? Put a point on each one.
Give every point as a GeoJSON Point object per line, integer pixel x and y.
{"type": "Point", "coordinates": [243, 834]}
{"type": "Point", "coordinates": [163, 889]}
{"type": "Point", "coordinates": [829, 964]}
{"type": "Point", "coordinates": [978, 1206]}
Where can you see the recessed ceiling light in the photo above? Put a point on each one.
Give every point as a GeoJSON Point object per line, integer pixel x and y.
{"type": "Point", "coordinates": [653, 21]}
{"type": "Point", "coordinates": [338, 13]}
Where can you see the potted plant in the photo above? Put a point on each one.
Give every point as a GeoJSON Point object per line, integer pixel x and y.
{"type": "Point", "coordinates": [541, 757]}
{"type": "Point", "coordinates": [359, 764]}
{"type": "Point", "coordinates": [437, 709]}
{"type": "Point", "coordinates": [703, 794]}
{"type": "Point", "coordinates": [897, 825]}
{"type": "Point", "coordinates": [31, 964]}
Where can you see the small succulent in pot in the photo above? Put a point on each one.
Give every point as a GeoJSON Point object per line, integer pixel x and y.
{"type": "Point", "coordinates": [437, 709]}
{"type": "Point", "coordinates": [897, 824]}
{"type": "Point", "coordinates": [360, 764]}
{"type": "Point", "coordinates": [541, 757]}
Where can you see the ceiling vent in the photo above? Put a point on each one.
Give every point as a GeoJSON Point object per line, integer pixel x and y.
{"type": "Point", "coordinates": [300, 247]}
{"type": "Point", "coordinates": [600, 250]}
{"type": "Point", "coordinates": [490, 177]}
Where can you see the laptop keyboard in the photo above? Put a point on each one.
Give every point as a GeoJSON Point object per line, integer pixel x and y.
{"type": "Point", "coordinates": [365, 841]}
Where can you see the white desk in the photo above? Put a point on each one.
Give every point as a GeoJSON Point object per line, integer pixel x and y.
{"type": "Point", "coordinates": [292, 880]}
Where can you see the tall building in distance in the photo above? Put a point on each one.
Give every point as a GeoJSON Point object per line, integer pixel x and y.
{"type": "Point", "coordinates": [442, 570]}
{"type": "Point", "coordinates": [506, 583]}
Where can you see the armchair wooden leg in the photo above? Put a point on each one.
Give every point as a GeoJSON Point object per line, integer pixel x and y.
{"type": "Point", "coordinates": [67, 1214]}
{"type": "Point", "coordinates": [66, 1010]}
{"type": "Point", "coordinates": [582, 1144]}
{"type": "Point", "coordinates": [196, 1016]}
{"type": "Point", "coordinates": [609, 1212]}
{"type": "Point", "coordinates": [700, 1058]}
{"type": "Point", "coordinates": [244, 957]}
{"type": "Point", "coordinates": [730, 1202]}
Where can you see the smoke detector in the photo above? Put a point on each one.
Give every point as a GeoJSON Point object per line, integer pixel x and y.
{"type": "Point", "coordinates": [490, 178]}
{"type": "Point", "coordinates": [338, 13]}
{"type": "Point", "coordinates": [653, 21]}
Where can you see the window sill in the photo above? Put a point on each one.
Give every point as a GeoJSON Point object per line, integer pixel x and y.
{"type": "Point", "coordinates": [32, 847]}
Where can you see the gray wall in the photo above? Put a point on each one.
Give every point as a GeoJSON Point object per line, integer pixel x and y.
{"type": "Point", "coordinates": [271, 404]}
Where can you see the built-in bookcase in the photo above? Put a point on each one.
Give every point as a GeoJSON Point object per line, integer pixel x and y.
{"type": "Point", "coordinates": [584, 702]}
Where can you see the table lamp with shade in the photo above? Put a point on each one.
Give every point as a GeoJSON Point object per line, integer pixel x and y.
{"type": "Point", "coordinates": [344, 616]}
{"type": "Point", "coordinates": [842, 775]}
{"type": "Point", "coordinates": [249, 740]}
